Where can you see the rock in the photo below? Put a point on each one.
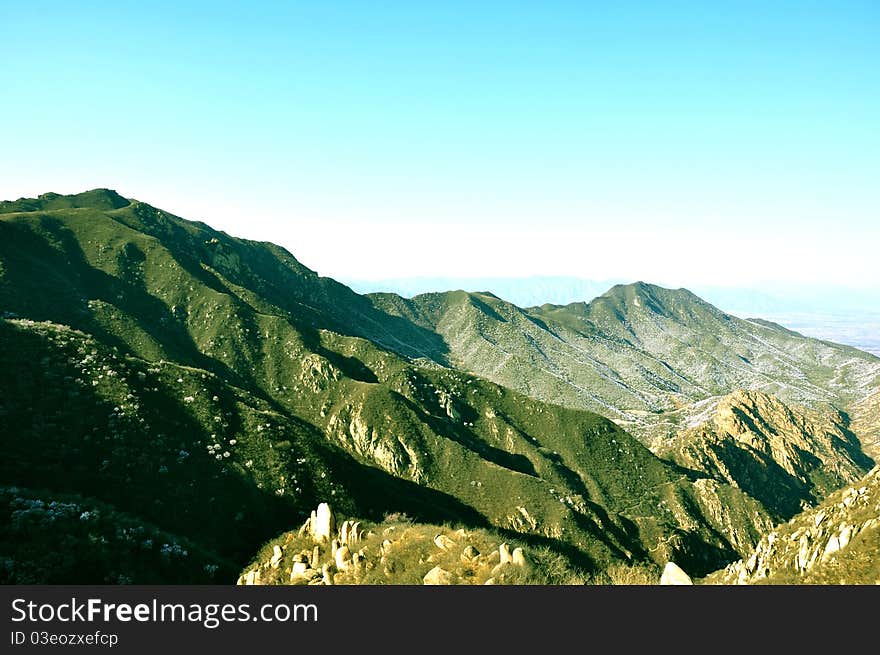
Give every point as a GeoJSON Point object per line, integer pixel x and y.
{"type": "Point", "coordinates": [277, 554]}
{"type": "Point", "coordinates": [443, 542]}
{"type": "Point", "coordinates": [519, 558]}
{"type": "Point", "coordinates": [316, 557]}
{"type": "Point", "coordinates": [752, 563]}
{"type": "Point", "coordinates": [504, 552]}
{"type": "Point", "coordinates": [343, 558]}
{"type": "Point", "coordinates": [469, 554]}
{"type": "Point", "coordinates": [673, 575]}
{"type": "Point", "coordinates": [307, 526]}
{"type": "Point", "coordinates": [323, 525]}
{"type": "Point", "coordinates": [831, 547]}
{"type": "Point", "coordinates": [385, 546]}
{"type": "Point", "coordinates": [302, 579]}
{"type": "Point", "coordinates": [845, 535]}
{"type": "Point", "coordinates": [489, 581]}
{"type": "Point", "coordinates": [253, 577]}
{"type": "Point", "coordinates": [326, 576]}
{"type": "Point", "coordinates": [438, 576]}
{"type": "Point", "coordinates": [299, 569]}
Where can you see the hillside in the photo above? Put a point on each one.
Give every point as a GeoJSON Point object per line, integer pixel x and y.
{"type": "Point", "coordinates": [217, 389]}
{"type": "Point", "coordinates": [866, 423]}
{"type": "Point", "coordinates": [330, 551]}
{"type": "Point", "coordinates": [786, 456]}
{"type": "Point", "coordinates": [47, 538]}
{"type": "Point", "coordinates": [639, 354]}
{"type": "Point", "coordinates": [837, 542]}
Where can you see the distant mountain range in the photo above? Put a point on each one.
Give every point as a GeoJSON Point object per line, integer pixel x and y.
{"type": "Point", "coordinates": [203, 393]}
{"type": "Point", "coordinates": [639, 354]}
{"type": "Point", "coordinates": [844, 315]}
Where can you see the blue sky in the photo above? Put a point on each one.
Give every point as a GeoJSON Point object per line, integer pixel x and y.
{"type": "Point", "coordinates": [679, 142]}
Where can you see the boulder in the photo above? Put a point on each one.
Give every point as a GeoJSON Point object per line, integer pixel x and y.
{"type": "Point", "coordinates": [323, 525]}
{"type": "Point", "coordinates": [469, 554]}
{"type": "Point", "coordinates": [831, 547]}
{"type": "Point", "coordinates": [443, 542]}
{"type": "Point", "coordinates": [438, 576]}
{"type": "Point", "coordinates": [504, 552]}
{"type": "Point", "coordinates": [673, 575]}
{"type": "Point", "coordinates": [277, 554]}
{"type": "Point", "coordinates": [518, 558]}
{"type": "Point", "coordinates": [343, 558]}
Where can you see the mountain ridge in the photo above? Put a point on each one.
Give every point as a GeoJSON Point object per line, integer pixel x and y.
{"type": "Point", "coordinates": [149, 286]}
{"type": "Point", "coordinates": [226, 331]}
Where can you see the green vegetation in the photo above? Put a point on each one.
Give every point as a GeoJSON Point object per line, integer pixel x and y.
{"type": "Point", "coordinates": [471, 556]}
{"type": "Point", "coordinates": [50, 539]}
{"type": "Point", "coordinates": [216, 389]}
{"type": "Point", "coordinates": [639, 354]}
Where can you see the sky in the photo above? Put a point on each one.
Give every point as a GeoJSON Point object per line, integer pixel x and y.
{"type": "Point", "coordinates": [683, 143]}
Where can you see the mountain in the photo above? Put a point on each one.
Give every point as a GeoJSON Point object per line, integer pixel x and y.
{"type": "Point", "coordinates": [639, 354]}
{"type": "Point", "coordinates": [215, 389]}
{"type": "Point", "coordinates": [786, 456]}
{"type": "Point", "coordinates": [837, 542]}
{"type": "Point", "coordinates": [866, 423]}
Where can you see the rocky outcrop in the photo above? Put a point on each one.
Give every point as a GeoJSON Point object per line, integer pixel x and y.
{"type": "Point", "coordinates": [388, 553]}
{"type": "Point", "coordinates": [837, 542]}
{"type": "Point", "coordinates": [787, 457]}
{"type": "Point", "coordinates": [307, 566]}
{"type": "Point", "coordinates": [321, 525]}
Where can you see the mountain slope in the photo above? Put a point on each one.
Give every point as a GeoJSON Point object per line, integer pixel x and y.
{"type": "Point", "coordinates": [640, 354]}
{"type": "Point", "coordinates": [158, 337]}
{"type": "Point", "coordinates": [866, 423]}
{"type": "Point", "coordinates": [786, 456]}
{"type": "Point", "coordinates": [837, 542]}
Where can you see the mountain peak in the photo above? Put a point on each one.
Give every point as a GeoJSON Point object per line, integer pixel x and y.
{"type": "Point", "coordinates": [105, 199]}
{"type": "Point", "coordinates": [648, 297]}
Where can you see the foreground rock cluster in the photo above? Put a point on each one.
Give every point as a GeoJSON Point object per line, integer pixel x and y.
{"type": "Point", "coordinates": [326, 552]}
